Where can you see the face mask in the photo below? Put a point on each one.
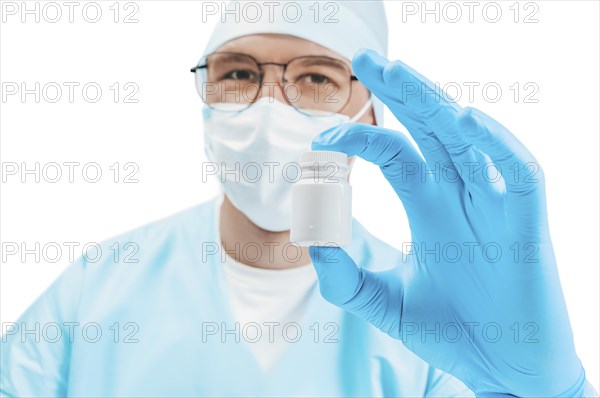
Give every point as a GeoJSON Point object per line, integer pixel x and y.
{"type": "Point", "coordinates": [256, 153]}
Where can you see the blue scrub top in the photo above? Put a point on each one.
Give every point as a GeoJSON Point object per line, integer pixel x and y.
{"type": "Point", "coordinates": [156, 323]}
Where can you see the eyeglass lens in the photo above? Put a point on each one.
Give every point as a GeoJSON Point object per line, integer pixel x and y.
{"type": "Point", "coordinates": [309, 83]}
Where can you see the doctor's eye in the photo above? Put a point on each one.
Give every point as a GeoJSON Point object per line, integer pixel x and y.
{"type": "Point", "coordinates": [314, 78]}
{"type": "Point", "coordinates": [240, 74]}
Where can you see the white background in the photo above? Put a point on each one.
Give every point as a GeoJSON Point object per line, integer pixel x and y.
{"type": "Point", "coordinates": [162, 133]}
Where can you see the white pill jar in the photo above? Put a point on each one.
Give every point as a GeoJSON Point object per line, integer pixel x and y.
{"type": "Point", "coordinates": [322, 201]}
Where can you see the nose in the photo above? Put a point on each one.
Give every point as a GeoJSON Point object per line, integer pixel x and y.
{"type": "Point", "coordinates": [272, 86]}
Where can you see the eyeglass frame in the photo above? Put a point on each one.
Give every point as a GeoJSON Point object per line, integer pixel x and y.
{"type": "Point", "coordinates": [284, 65]}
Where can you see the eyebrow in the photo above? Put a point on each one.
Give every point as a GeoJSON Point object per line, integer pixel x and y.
{"type": "Point", "coordinates": [235, 57]}
{"type": "Point", "coordinates": [307, 60]}
{"type": "Point", "coordinates": [317, 60]}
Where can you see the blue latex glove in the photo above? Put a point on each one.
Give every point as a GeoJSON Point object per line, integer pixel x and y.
{"type": "Point", "coordinates": [495, 320]}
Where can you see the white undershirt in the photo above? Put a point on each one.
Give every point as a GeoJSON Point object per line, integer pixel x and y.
{"type": "Point", "coordinates": [264, 295]}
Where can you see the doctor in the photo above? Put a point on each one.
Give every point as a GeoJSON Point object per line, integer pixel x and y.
{"type": "Point", "coordinates": [218, 303]}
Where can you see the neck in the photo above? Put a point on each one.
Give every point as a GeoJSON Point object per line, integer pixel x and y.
{"type": "Point", "coordinates": [251, 245]}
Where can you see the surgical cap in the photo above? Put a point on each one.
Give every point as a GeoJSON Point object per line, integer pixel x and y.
{"type": "Point", "coordinates": [341, 26]}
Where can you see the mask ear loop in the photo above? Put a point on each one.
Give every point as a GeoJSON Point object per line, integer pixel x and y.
{"type": "Point", "coordinates": [353, 119]}
{"type": "Point", "coordinates": [362, 110]}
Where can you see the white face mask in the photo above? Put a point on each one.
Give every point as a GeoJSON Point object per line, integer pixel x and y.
{"type": "Point", "coordinates": [251, 149]}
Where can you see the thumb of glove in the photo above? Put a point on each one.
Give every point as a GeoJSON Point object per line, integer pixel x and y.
{"type": "Point", "coordinates": [375, 297]}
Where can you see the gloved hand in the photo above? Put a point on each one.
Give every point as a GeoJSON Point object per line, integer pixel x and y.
{"type": "Point", "coordinates": [479, 294]}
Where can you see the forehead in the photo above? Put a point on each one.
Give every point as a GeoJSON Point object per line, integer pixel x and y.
{"type": "Point", "coordinates": [277, 48]}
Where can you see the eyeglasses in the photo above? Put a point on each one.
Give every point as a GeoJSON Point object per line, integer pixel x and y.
{"type": "Point", "coordinates": [314, 85]}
